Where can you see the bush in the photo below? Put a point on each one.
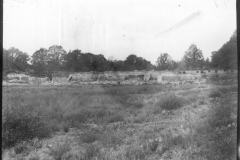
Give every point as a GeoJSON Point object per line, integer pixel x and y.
{"type": "Point", "coordinates": [170, 102]}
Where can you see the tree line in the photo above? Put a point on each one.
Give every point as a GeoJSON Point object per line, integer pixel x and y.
{"type": "Point", "coordinates": [55, 59]}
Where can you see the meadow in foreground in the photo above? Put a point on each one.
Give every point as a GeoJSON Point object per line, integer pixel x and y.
{"type": "Point", "coordinates": [186, 121]}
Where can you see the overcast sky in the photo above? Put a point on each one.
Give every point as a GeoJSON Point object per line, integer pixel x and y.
{"type": "Point", "coordinates": [117, 28]}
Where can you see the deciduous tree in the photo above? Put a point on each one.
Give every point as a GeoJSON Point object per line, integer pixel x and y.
{"type": "Point", "coordinates": [15, 60]}
{"type": "Point", "coordinates": [40, 61]}
{"type": "Point", "coordinates": [193, 57]}
{"type": "Point", "coordinates": [56, 60]}
{"type": "Point", "coordinates": [164, 62]}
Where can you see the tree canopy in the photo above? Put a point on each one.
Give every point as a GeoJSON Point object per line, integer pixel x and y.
{"type": "Point", "coordinates": [55, 58]}
{"type": "Point", "coordinates": [164, 62]}
{"type": "Point", "coordinates": [193, 57]}
{"type": "Point", "coordinates": [226, 56]}
{"type": "Point", "coordinates": [15, 60]}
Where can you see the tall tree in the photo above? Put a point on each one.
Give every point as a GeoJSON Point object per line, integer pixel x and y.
{"type": "Point", "coordinates": [72, 60]}
{"type": "Point", "coordinates": [207, 63]}
{"type": "Point", "coordinates": [40, 61]}
{"type": "Point", "coordinates": [6, 62]}
{"type": "Point", "coordinates": [164, 62]}
{"type": "Point", "coordinates": [130, 62]}
{"type": "Point", "coordinates": [56, 60]}
{"type": "Point", "coordinates": [15, 60]}
{"type": "Point", "coordinates": [226, 56]}
{"type": "Point", "coordinates": [193, 57]}
{"type": "Point", "coordinates": [117, 65]}
{"type": "Point", "coordinates": [101, 63]}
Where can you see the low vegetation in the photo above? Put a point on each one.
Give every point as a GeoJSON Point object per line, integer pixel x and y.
{"type": "Point", "coordinates": [120, 122]}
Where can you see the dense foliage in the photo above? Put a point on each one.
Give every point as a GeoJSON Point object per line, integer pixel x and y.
{"type": "Point", "coordinates": [165, 61]}
{"type": "Point", "coordinates": [226, 56]}
{"type": "Point", "coordinates": [47, 61]}
{"type": "Point", "coordinates": [193, 57]}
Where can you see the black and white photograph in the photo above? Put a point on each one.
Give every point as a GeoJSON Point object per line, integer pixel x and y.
{"type": "Point", "coordinates": [119, 80]}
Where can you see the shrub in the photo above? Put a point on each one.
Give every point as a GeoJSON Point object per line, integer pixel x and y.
{"type": "Point", "coordinates": [215, 94]}
{"type": "Point", "coordinates": [170, 102]}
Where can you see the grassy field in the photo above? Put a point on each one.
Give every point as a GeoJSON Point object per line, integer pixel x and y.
{"type": "Point", "coordinates": [147, 122]}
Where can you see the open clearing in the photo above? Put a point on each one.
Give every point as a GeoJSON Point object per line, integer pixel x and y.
{"type": "Point", "coordinates": [147, 122]}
